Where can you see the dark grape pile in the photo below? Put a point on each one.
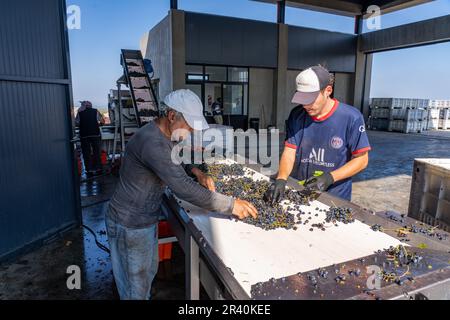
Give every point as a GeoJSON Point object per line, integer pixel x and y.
{"type": "Point", "coordinates": [399, 257]}
{"type": "Point", "coordinates": [336, 214]}
{"type": "Point", "coordinates": [397, 265]}
{"type": "Point", "coordinates": [219, 171]}
{"type": "Point", "coordinates": [301, 198]}
{"type": "Point", "coordinates": [428, 231]}
{"type": "Point", "coordinates": [231, 181]}
{"type": "Point", "coordinates": [376, 227]}
{"type": "Point", "coordinates": [354, 272]}
{"type": "Point", "coordinates": [402, 257]}
{"type": "Point", "coordinates": [425, 230]}
{"type": "Point", "coordinates": [323, 273]}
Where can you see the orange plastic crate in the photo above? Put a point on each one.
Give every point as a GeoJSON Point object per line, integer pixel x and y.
{"type": "Point", "coordinates": [164, 250]}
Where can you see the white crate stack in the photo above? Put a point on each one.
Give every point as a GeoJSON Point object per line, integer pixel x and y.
{"type": "Point", "coordinates": [433, 118]}
{"type": "Point", "coordinates": [409, 115]}
{"type": "Point", "coordinates": [444, 119]}
{"type": "Point", "coordinates": [439, 115]}
{"type": "Point", "coordinates": [399, 114]}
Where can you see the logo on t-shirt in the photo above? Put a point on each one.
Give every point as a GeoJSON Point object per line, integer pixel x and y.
{"type": "Point", "coordinates": [337, 142]}
{"type": "Point", "coordinates": [317, 157]}
{"type": "Point", "coordinates": [362, 129]}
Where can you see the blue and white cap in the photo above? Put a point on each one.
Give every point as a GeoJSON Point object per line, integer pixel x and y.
{"type": "Point", "coordinates": [309, 84]}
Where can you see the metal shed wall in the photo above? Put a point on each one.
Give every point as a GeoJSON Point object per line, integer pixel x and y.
{"type": "Point", "coordinates": [212, 39]}
{"type": "Point", "coordinates": [38, 186]}
{"type": "Point", "coordinates": [219, 40]}
{"type": "Point", "coordinates": [309, 47]}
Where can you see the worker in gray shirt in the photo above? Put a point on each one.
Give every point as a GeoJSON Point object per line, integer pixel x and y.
{"type": "Point", "coordinates": [147, 167]}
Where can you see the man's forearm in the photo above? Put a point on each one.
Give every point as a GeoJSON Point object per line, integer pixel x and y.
{"type": "Point", "coordinates": [351, 168]}
{"type": "Point", "coordinates": [286, 163]}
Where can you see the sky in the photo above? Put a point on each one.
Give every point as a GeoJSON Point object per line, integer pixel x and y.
{"type": "Point", "coordinates": [110, 25]}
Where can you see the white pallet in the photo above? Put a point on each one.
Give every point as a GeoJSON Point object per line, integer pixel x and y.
{"type": "Point", "coordinates": [400, 103]}
{"type": "Point", "coordinates": [433, 113]}
{"type": "Point", "coordinates": [444, 124]}
{"type": "Point", "coordinates": [440, 103]}
{"type": "Point", "coordinates": [433, 124]}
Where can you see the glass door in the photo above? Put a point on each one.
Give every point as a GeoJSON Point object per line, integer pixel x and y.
{"type": "Point", "coordinates": [196, 88]}
{"type": "Point", "coordinates": [213, 94]}
{"type": "Point", "coordinates": [233, 99]}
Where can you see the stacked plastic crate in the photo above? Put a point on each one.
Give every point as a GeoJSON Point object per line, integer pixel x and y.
{"type": "Point", "coordinates": [433, 117]}
{"type": "Point", "coordinates": [444, 119]}
{"type": "Point", "coordinates": [398, 114]}
{"type": "Point", "coordinates": [439, 115]}
{"type": "Point", "coordinates": [380, 113]}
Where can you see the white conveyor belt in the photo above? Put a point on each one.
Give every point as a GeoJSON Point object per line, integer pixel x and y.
{"type": "Point", "coordinates": [255, 255]}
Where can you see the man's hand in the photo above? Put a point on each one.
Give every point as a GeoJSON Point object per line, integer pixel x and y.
{"type": "Point", "coordinates": [204, 180]}
{"type": "Point", "coordinates": [243, 209]}
{"type": "Point", "coordinates": [276, 191]}
{"type": "Point", "coordinates": [207, 182]}
{"type": "Point", "coordinates": [321, 183]}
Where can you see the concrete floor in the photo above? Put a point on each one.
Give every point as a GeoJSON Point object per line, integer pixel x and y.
{"type": "Point", "coordinates": [386, 183]}
{"type": "Point", "coordinates": [41, 274]}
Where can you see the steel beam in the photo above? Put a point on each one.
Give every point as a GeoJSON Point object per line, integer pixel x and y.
{"type": "Point", "coordinates": [35, 80]}
{"type": "Point", "coordinates": [409, 35]}
{"type": "Point", "coordinates": [281, 11]}
{"type": "Point", "coordinates": [349, 7]}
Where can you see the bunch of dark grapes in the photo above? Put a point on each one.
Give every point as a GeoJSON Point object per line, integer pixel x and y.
{"type": "Point", "coordinates": [304, 197]}
{"type": "Point", "coordinates": [376, 227]}
{"type": "Point", "coordinates": [219, 171]}
{"type": "Point", "coordinates": [402, 256]}
{"type": "Point", "coordinates": [230, 180]}
{"type": "Point", "coordinates": [336, 214]}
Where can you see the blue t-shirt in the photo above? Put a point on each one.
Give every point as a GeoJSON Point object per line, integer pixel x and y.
{"type": "Point", "coordinates": [326, 144]}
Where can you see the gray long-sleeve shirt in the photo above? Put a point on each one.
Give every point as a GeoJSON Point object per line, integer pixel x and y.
{"type": "Point", "coordinates": [146, 169]}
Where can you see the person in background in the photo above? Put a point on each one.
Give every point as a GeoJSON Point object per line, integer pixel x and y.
{"type": "Point", "coordinates": [217, 109]}
{"type": "Point", "coordinates": [88, 120]}
{"type": "Point", "coordinates": [210, 102]}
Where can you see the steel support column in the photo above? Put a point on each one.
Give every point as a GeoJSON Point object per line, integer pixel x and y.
{"type": "Point", "coordinates": [363, 73]}
{"type": "Point", "coordinates": [281, 11]}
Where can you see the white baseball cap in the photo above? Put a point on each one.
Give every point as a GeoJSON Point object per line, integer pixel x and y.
{"type": "Point", "coordinates": [309, 83]}
{"type": "Point", "coordinates": [189, 104]}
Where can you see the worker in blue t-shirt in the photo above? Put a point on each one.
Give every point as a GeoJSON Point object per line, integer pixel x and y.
{"type": "Point", "coordinates": [326, 140]}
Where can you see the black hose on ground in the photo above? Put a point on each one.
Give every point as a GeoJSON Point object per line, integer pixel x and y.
{"type": "Point", "coordinates": [100, 245]}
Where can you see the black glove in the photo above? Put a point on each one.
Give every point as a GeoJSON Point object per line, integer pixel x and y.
{"type": "Point", "coordinates": [321, 183]}
{"type": "Point", "coordinates": [276, 191]}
